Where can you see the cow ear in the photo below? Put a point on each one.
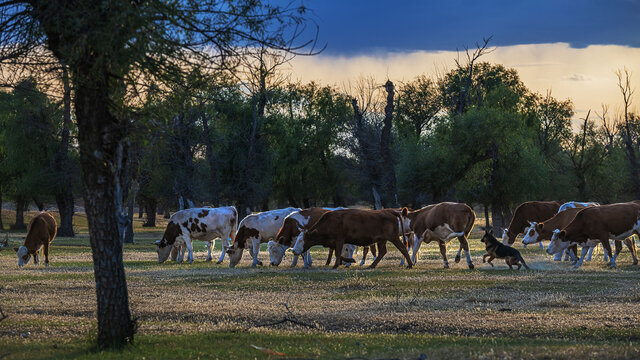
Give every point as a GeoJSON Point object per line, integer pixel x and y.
{"type": "Point", "coordinates": [562, 234]}
{"type": "Point", "coordinates": [405, 211]}
{"type": "Point", "coordinates": [16, 249]}
{"type": "Point", "coordinates": [540, 226]}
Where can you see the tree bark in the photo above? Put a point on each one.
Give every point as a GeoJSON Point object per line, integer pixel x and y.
{"type": "Point", "coordinates": [62, 165]}
{"type": "Point", "coordinates": [389, 192]}
{"type": "Point", "coordinates": [21, 205]}
{"type": "Point", "coordinates": [150, 206]}
{"type": "Point", "coordinates": [100, 135]}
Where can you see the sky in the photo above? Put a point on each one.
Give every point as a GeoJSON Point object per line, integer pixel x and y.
{"type": "Point", "coordinates": [572, 48]}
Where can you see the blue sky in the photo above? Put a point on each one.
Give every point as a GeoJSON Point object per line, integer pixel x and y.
{"type": "Point", "coordinates": [351, 27]}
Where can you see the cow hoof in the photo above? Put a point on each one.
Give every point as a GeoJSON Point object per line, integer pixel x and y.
{"type": "Point", "coordinates": [635, 262]}
{"type": "Point", "coordinates": [209, 260]}
{"type": "Point", "coordinates": [372, 266]}
{"type": "Point", "coordinates": [219, 262]}
{"type": "Point", "coordinates": [471, 266]}
{"type": "Point", "coordinates": [446, 266]}
{"type": "Point", "coordinates": [362, 263]}
{"type": "Point", "coordinates": [409, 266]}
{"type": "Point", "coordinates": [260, 263]}
{"type": "Point", "coordinates": [457, 260]}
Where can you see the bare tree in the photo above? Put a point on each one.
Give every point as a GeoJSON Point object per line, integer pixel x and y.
{"type": "Point", "coordinates": [629, 128]}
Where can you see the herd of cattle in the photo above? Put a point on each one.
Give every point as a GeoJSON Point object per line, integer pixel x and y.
{"type": "Point", "coordinates": [342, 230]}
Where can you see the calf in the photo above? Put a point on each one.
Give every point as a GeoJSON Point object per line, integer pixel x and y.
{"type": "Point", "coordinates": [254, 230]}
{"type": "Point", "coordinates": [205, 224]}
{"type": "Point", "coordinates": [443, 222]}
{"type": "Point", "coordinates": [599, 224]}
{"type": "Point", "coordinates": [357, 227]}
{"type": "Point", "coordinates": [40, 233]}
{"type": "Point", "coordinates": [293, 227]}
{"type": "Point", "coordinates": [500, 251]}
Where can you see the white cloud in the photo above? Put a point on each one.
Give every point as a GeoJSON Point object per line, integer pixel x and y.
{"type": "Point", "coordinates": [586, 75]}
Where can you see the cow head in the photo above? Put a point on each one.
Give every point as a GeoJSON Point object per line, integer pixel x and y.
{"type": "Point", "coordinates": [24, 255]}
{"type": "Point", "coordinates": [276, 252]}
{"type": "Point", "coordinates": [165, 245]}
{"type": "Point", "coordinates": [235, 254]}
{"type": "Point", "coordinates": [531, 234]}
{"type": "Point", "coordinates": [558, 242]}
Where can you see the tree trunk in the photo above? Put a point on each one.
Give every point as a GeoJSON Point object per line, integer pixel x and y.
{"type": "Point", "coordinates": [1, 225]}
{"type": "Point", "coordinates": [213, 181]}
{"type": "Point", "coordinates": [62, 165]}
{"type": "Point", "coordinates": [389, 192]}
{"type": "Point", "coordinates": [21, 205]}
{"type": "Point", "coordinates": [100, 134]}
{"type": "Point", "coordinates": [487, 225]}
{"type": "Point", "coordinates": [140, 211]}
{"type": "Point", "coordinates": [128, 232]}
{"type": "Point", "coordinates": [39, 204]}
{"type": "Point", "coordinates": [150, 206]}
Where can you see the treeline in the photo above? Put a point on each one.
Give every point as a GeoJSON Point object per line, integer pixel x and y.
{"type": "Point", "coordinates": [248, 137]}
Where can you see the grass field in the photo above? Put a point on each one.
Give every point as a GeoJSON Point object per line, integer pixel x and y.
{"type": "Point", "coordinates": [204, 310]}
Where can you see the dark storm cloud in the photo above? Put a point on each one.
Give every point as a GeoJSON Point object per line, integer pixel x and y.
{"type": "Point", "coordinates": [365, 26]}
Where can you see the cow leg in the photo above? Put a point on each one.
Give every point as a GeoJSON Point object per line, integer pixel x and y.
{"type": "Point", "coordinates": [330, 256]}
{"type": "Point", "coordinates": [410, 244]}
{"type": "Point", "coordinates": [568, 254]}
{"type": "Point", "coordinates": [255, 243]}
{"type": "Point", "coordinates": [607, 249]}
{"type": "Point", "coordinates": [541, 247]}
{"type": "Point", "coordinates": [382, 249]}
{"type": "Point", "coordinates": [294, 263]}
{"type": "Point", "coordinates": [631, 245]}
{"type": "Point", "coordinates": [373, 251]}
{"type": "Point", "coordinates": [416, 246]}
{"type": "Point", "coordinates": [209, 246]}
{"type": "Point", "coordinates": [585, 250]}
{"type": "Point", "coordinates": [45, 250]}
{"type": "Point", "coordinates": [590, 253]}
{"type": "Point", "coordinates": [306, 258]}
{"type": "Point", "coordinates": [606, 256]}
{"type": "Point", "coordinates": [365, 251]}
{"type": "Point", "coordinates": [465, 245]}
{"type": "Point", "coordinates": [443, 251]}
{"type": "Point", "coordinates": [338, 251]}
{"type": "Point", "coordinates": [36, 259]}
{"type": "Point", "coordinates": [457, 259]}
{"type": "Point", "coordinates": [400, 245]}
{"type": "Point", "coordinates": [189, 244]}
{"type": "Point", "coordinates": [558, 256]}
{"type": "Point", "coordinates": [224, 244]}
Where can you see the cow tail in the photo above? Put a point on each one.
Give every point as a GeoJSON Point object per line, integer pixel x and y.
{"type": "Point", "coordinates": [405, 241]}
{"type": "Point", "coordinates": [522, 261]}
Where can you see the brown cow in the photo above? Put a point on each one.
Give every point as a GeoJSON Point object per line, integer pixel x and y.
{"type": "Point", "coordinates": [528, 211]}
{"type": "Point", "coordinates": [599, 224]}
{"type": "Point", "coordinates": [357, 227]}
{"type": "Point", "coordinates": [443, 222]}
{"type": "Point", "coordinates": [293, 226]}
{"type": "Point", "coordinates": [40, 233]}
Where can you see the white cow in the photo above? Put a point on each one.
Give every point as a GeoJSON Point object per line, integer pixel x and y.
{"type": "Point", "coordinates": [256, 229]}
{"type": "Point", "coordinates": [205, 224]}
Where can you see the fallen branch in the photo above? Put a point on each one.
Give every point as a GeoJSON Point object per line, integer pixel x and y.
{"type": "Point", "coordinates": [290, 317]}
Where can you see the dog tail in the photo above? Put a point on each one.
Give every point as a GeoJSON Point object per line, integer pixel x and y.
{"type": "Point", "coordinates": [522, 261]}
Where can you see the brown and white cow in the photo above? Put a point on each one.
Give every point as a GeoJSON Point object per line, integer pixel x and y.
{"type": "Point", "coordinates": [443, 222]}
{"type": "Point", "coordinates": [599, 224]}
{"type": "Point", "coordinates": [537, 232]}
{"type": "Point", "coordinates": [357, 227]}
{"type": "Point", "coordinates": [40, 233]}
{"type": "Point", "coordinates": [254, 230]}
{"type": "Point", "coordinates": [293, 227]}
{"type": "Point", "coordinates": [205, 224]}
{"type": "Point", "coordinates": [528, 211]}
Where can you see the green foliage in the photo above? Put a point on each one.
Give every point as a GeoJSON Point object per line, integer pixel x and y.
{"type": "Point", "coordinates": [29, 125]}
